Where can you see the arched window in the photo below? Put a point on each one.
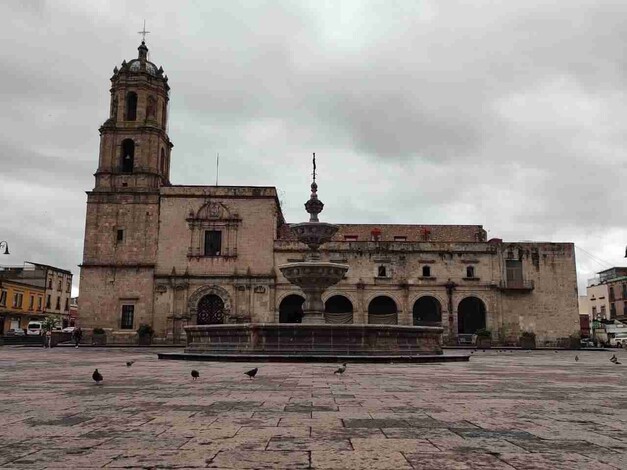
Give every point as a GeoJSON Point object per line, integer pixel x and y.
{"type": "Point", "coordinates": [471, 315]}
{"type": "Point", "coordinates": [338, 309]}
{"type": "Point", "coordinates": [470, 271]}
{"type": "Point", "coordinates": [382, 311]}
{"type": "Point", "coordinates": [427, 311]}
{"type": "Point", "coordinates": [162, 162]}
{"type": "Point", "coordinates": [131, 106]}
{"type": "Point", "coordinates": [128, 155]}
{"type": "Point", "coordinates": [291, 309]}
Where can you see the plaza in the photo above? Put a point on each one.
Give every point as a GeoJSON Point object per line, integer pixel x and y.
{"type": "Point", "coordinates": [502, 410]}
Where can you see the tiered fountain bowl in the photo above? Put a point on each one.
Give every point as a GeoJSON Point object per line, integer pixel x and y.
{"type": "Point", "coordinates": [313, 339]}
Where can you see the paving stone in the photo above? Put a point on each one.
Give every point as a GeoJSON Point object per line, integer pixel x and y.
{"type": "Point", "coordinates": [196, 458]}
{"type": "Point", "coordinates": [359, 460]}
{"type": "Point", "coordinates": [46, 458]}
{"type": "Point", "coordinates": [554, 461]}
{"type": "Point", "coordinates": [260, 460]}
{"type": "Point", "coordinates": [391, 445]}
{"type": "Point", "coordinates": [456, 461]}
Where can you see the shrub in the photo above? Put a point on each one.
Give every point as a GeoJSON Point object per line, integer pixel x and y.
{"type": "Point", "coordinates": [528, 334]}
{"type": "Point", "coordinates": [145, 330]}
{"type": "Point", "coordinates": [99, 331]}
{"type": "Point", "coordinates": [50, 322]}
{"type": "Point", "coordinates": [483, 333]}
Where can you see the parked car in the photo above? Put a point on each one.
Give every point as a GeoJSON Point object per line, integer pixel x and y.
{"type": "Point", "coordinates": [34, 328]}
{"type": "Point", "coordinates": [68, 329]}
{"type": "Point", "coordinates": [619, 341]}
{"type": "Point", "coordinates": [15, 332]}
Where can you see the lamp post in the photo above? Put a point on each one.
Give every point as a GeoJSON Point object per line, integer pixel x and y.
{"type": "Point", "coordinates": [4, 244]}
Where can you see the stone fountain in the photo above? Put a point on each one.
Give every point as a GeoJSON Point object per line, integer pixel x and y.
{"type": "Point", "coordinates": [313, 276]}
{"type": "Point", "coordinates": [312, 339]}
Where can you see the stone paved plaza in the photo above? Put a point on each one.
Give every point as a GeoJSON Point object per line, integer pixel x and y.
{"type": "Point", "coordinates": [502, 410]}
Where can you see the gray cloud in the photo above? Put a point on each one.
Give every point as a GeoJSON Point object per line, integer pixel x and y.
{"type": "Point", "coordinates": [504, 114]}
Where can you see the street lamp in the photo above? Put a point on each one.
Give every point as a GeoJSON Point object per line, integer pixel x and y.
{"type": "Point", "coordinates": [6, 247]}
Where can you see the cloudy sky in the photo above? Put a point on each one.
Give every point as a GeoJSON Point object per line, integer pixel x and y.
{"type": "Point", "coordinates": [512, 115]}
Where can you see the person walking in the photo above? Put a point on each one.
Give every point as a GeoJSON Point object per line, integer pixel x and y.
{"type": "Point", "coordinates": [48, 339]}
{"type": "Point", "coordinates": [77, 334]}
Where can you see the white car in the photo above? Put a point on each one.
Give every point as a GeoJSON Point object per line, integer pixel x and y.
{"type": "Point", "coordinates": [34, 328]}
{"type": "Point", "coordinates": [68, 329]}
{"type": "Point", "coordinates": [619, 341]}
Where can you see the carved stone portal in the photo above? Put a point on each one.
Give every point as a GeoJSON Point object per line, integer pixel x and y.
{"type": "Point", "coordinates": [204, 307]}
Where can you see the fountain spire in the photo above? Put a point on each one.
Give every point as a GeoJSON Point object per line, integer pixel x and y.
{"type": "Point", "coordinates": [314, 206]}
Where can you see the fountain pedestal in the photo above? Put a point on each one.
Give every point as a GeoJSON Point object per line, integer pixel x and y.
{"type": "Point", "coordinates": [313, 277]}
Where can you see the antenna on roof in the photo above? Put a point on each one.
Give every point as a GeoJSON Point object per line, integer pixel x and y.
{"type": "Point", "coordinates": [217, 166]}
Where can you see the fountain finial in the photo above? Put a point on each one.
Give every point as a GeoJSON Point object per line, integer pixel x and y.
{"type": "Point", "coordinates": [314, 206]}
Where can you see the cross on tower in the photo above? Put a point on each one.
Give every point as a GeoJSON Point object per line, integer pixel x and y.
{"type": "Point", "coordinates": [314, 167]}
{"type": "Point", "coordinates": [143, 32]}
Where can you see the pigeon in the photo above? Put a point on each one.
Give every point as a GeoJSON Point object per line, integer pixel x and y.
{"type": "Point", "coordinates": [129, 363]}
{"type": "Point", "coordinates": [341, 369]}
{"type": "Point", "coordinates": [97, 376]}
{"type": "Point", "coordinates": [614, 359]}
{"type": "Point", "coordinates": [576, 358]}
{"type": "Point", "coordinates": [251, 373]}
{"type": "Point", "coordinates": [195, 374]}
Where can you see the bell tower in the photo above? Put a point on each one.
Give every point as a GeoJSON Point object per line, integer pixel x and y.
{"type": "Point", "coordinates": [134, 144]}
{"type": "Point", "coordinates": [122, 217]}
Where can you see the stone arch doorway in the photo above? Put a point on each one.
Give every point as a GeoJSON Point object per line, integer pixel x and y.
{"type": "Point", "coordinates": [382, 310]}
{"type": "Point", "coordinates": [210, 310]}
{"type": "Point", "coordinates": [291, 309]}
{"type": "Point", "coordinates": [471, 316]}
{"type": "Point", "coordinates": [338, 310]}
{"type": "Point", "coordinates": [427, 311]}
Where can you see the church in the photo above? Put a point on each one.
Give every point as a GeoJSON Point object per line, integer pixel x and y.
{"type": "Point", "coordinates": [168, 255]}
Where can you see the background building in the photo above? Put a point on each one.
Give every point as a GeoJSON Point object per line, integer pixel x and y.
{"type": "Point", "coordinates": [19, 304]}
{"type": "Point", "coordinates": [607, 295]}
{"type": "Point", "coordinates": [171, 255]}
{"type": "Point", "coordinates": [56, 284]}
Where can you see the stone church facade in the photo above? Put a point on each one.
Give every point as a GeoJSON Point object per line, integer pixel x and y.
{"type": "Point", "coordinates": [173, 255]}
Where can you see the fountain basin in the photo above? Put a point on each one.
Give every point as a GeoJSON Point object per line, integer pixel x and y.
{"type": "Point", "coordinates": [313, 234]}
{"type": "Point", "coordinates": [294, 339]}
{"type": "Point", "coordinates": [319, 274]}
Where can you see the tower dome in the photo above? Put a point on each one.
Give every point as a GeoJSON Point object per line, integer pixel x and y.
{"type": "Point", "coordinates": [140, 65]}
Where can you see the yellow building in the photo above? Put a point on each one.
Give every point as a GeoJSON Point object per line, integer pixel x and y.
{"type": "Point", "coordinates": [19, 304]}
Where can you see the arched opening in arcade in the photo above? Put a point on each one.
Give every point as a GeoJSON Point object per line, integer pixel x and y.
{"type": "Point", "coordinates": [338, 310]}
{"type": "Point", "coordinates": [291, 309]}
{"type": "Point", "coordinates": [382, 310]}
{"type": "Point", "coordinates": [210, 310]}
{"type": "Point", "coordinates": [427, 311]}
{"type": "Point", "coordinates": [471, 316]}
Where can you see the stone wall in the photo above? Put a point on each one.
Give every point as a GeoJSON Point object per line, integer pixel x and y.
{"type": "Point", "coordinates": [105, 289]}
{"type": "Point", "coordinates": [550, 309]}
